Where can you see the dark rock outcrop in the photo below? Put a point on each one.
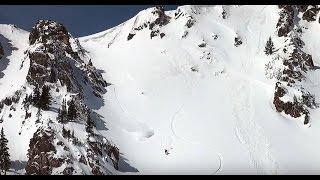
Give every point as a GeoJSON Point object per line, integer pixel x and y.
{"type": "Point", "coordinates": [224, 14]}
{"type": "Point", "coordinates": [53, 60]}
{"type": "Point", "coordinates": [56, 58]}
{"type": "Point", "coordinates": [41, 154]}
{"type": "Point", "coordinates": [47, 30]}
{"type": "Point", "coordinates": [301, 8]}
{"type": "Point", "coordinates": [298, 63]}
{"type": "Point", "coordinates": [50, 56]}
{"type": "Point", "coordinates": [162, 35]}
{"type": "Point", "coordinates": [154, 33]}
{"type": "Point", "coordinates": [287, 15]}
{"type": "Point", "coordinates": [310, 14]}
{"type": "Point", "coordinates": [190, 22]}
{"type": "Point", "coordinates": [179, 13]}
{"type": "Point", "coordinates": [101, 148]}
{"type": "Point", "coordinates": [285, 22]}
{"type": "Point", "coordinates": [161, 20]}
{"type": "Point", "coordinates": [295, 109]}
{"type": "Point", "coordinates": [202, 45]}
{"type": "Point", "coordinates": [1, 51]}
{"type": "Point", "coordinates": [130, 36]}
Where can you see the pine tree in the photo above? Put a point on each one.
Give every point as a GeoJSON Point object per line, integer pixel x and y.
{"type": "Point", "coordinates": [269, 47]}
{"type": "Point", "coordinates": [62, 113]}
{"type": "Point", "coordinates": [90, 63]}
{"type": "Point", "coordinates": [90, 123]}
{"type": "Point", "coordinates": [59, 118]}
{"type": "Point", "coordinates": [53, 77]}
{"type": "Point", "coordinates": [30, 98]}
{"type": "Point", "coordinates": [39, 114]}
{"type": "Point", "coordinates": [36, 97]}
{"type": "Point", "coordinates": [45, 98]}
{"type": "Point", "coordinates": [64, 132]}
{"type": "Point", "coordinates": [26, 102]}
{"type": "Point", "coordinates": [4, 153]}
{"type": "Point", "coordinates": [72, 112]}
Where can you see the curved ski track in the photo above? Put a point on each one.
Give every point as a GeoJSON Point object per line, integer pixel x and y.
{"type": "Point", "coordinates": [248, 132]}
{"type": "Point", "coordinates": [186, 140]}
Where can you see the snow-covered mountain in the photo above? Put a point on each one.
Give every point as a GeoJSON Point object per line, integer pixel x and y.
{"type": "Point", "coordinates": [196, 90]}
{"type": "Point", "coordinates": [50, 139]}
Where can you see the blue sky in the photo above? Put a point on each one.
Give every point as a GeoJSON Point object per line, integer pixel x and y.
{"type": "Point", "coordinates": [80, 20]}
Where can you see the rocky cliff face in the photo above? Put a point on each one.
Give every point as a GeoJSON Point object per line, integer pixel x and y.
{"type": "Point", "coordinates": [42, 153]}
{"type": "Point", "coordinates": [158, 19]}
{"type": "Point", "coordinates": [296, 62]}
{"type": "Point", "coordinates": [60, 64]}
{"type": "Point", "coordinates": [54, 61]}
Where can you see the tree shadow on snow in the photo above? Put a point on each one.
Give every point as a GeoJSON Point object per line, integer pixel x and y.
{"type": "Point", "coordinates": [100, 124]}
{"type": "Point", "coordinates": [96, 103]}
{"type": "Point", "coordinates": [7, 48]}
{"type": "Point", "coordinates": [54, 109]}
{"type": "Point", "coordinates": [18, 165]}
{"type": "Point", "coordinates": [101, 71]}
{"type": "Point", "coordinates": [124, 166]}
{"type": "Point", "coordinates": [316, 67]}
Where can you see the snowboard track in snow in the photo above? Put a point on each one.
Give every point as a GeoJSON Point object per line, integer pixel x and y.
{"type": "Point", "coordinates": [143, 130]}
{"type": "Point", "coordinates": [172, 124]}
{"type": "Point", "coordinates": [250, 133]}
{"type": "Point", "coordinates": [247, 131]}
{"type": "Point", "coordinates": [173, 118]}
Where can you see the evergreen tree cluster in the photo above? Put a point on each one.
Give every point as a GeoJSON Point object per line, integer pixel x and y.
{"type": "Point", "coordinates": [68, 135]}
{"type": "Point", "coordinates": [26, 105]}
{"type": "Point", "coordinates": [72, 112]}
{"type": "Point", "coordinates": [53, 76]}
{"type": "Point", "coordinates": [90, 63]}
{"type": "Point", "coordinates": [65, 115]}
{"type": "Point", "coordinates": [62, 113]}
{"type": "Point", "coordinates": [269, 49]}
{"type": "Point", "coordinates": [90, 123]}
{"type": "Point", "coordinates": [42, 100]}
{"type": "Point", "coordinates": [4, 154]}
{"type": "Point", "coordinates": [39, 115]}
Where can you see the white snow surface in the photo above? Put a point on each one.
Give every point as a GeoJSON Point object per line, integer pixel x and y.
{"type": "Point", "coordinates": [217, 120]}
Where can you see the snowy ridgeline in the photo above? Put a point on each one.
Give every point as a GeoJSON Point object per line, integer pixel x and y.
{"type": "Point", "coordinates": [50, 111]}
{"type": "Point", "coordinates": [196, 90]}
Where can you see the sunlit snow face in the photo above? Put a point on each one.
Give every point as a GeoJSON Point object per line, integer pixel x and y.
{"type": "Point", "coordinates": [196, 90]}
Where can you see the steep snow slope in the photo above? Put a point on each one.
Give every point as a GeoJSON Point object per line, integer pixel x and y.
{"type": "Point", "coordinates": [11, 37]}
{"type": "Point", "coordinates": [193, 92]}
{"type": "Point", "coordinates": [14, 69]}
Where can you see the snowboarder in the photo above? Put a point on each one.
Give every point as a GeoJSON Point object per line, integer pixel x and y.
{"type": "Point", "coordinates": [166, 152]}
